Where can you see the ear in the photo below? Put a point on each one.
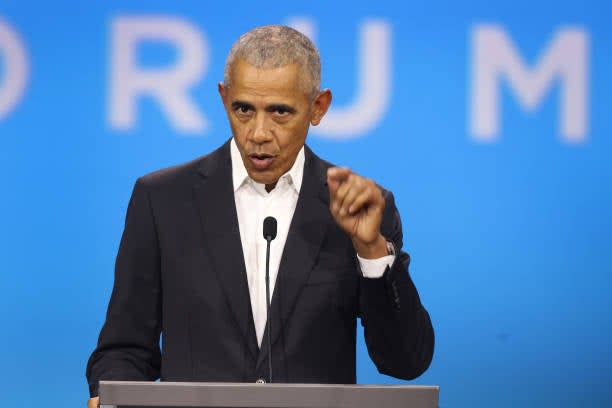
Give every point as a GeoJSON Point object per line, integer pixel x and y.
{"type": "Point", "coordinates": [320, 106]}
{"type": "Point", "coordinates": [222, 92]}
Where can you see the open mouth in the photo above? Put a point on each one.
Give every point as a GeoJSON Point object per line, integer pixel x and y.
{"type": "Point", "coordinates": [261, 161]}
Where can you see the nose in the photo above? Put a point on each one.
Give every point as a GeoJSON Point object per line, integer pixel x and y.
{"type": "Point", "coordinates": [260, 133]}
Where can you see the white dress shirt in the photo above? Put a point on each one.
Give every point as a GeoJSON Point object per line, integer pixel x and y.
{"type": "Point", "coordinates": [253, 205]}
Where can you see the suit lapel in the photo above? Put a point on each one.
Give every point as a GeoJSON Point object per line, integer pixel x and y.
{"type": "Point", "coordinates": [306, 233]}
{"type": "Point", "coordinates": [214, 198]}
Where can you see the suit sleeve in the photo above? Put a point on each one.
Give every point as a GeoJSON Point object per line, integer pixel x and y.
{"type": "Point", "coordinates": [128, 345]}
{"type": "Point", "coordinates": [398, 331]}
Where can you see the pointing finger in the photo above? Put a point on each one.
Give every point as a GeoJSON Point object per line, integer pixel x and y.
{"type": "Point", "coordinates": [339, 174]}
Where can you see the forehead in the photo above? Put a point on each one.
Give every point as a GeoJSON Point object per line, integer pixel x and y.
{"type": "Point", "coordinates": [246, 79]}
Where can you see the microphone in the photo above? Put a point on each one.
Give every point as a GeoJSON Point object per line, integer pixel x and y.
{"type": "Point", "coordinates": [269, 233]}
{"type": "Point", "coordinates": [269, 229]}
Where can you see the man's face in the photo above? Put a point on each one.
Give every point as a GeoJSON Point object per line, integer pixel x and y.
{"type": "Point", "coordinates": [270, 113]}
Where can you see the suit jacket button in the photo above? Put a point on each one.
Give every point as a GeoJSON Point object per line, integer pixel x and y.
{"type": "Point", "coordinates": [260, 381]}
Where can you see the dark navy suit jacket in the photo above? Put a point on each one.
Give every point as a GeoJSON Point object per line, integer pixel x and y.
{"type": "Point", "coordinates": [180, 273]}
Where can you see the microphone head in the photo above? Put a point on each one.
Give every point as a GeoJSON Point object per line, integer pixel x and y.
{"type": "Point", "coordinates": [269, 228]}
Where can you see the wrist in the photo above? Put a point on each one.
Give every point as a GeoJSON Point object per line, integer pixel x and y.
{"type": "Point", "coordinates": [372, 250]}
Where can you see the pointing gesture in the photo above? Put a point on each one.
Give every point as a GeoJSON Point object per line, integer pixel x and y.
{"type": "Point", "coordinates": [357, 205]}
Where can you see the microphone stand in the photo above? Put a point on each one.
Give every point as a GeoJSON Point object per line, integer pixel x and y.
{"type": "Point", "coordinates": [269, 233]}
{"type": "Point", "coordinates": [268, 240]}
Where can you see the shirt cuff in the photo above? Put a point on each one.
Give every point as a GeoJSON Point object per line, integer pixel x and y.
{"type": "Point", "coordinates": [375, 268]}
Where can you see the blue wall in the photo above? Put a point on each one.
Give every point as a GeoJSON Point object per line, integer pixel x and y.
{"type": "Point", "coordinates": [509, 230]}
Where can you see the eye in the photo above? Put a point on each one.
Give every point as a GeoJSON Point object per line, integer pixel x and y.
{"type": "Point", "coordinates": [282, 111]}
{"type": "Point", "coordinates": [243, 109]}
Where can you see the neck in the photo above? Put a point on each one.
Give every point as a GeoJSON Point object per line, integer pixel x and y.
{"type": "Point", "coordinates": [270, 187]}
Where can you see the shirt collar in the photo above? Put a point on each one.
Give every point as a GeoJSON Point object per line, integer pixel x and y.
{"type": "Point", "coordinates": [240, 175]}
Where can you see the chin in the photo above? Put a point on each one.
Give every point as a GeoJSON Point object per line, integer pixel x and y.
{"type": "Point", "coordinates": [262, 178]}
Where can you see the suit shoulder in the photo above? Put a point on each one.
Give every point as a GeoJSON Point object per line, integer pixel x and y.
{"type": "Point", "coordinates": [310, 155]}
{"type": "Point", "coordinates": [170, 176]}
{"type": "Point", "coordinates": [324, 165]}
{"type": "Point", "coordinates": [181, 174]}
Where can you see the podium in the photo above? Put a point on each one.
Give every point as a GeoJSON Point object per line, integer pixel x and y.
{"type": "Point", "coordinates": [120, 394]}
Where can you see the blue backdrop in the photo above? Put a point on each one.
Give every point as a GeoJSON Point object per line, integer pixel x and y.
{"type": "Point", "coordinates": [490, 120]}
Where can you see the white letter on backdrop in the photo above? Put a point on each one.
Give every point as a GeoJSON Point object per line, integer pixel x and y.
{"type": "Point", "coordinates": [495, 57]}
{"type": "Point", "coordinates": [168, 86]}
{"type": "Point", "coordinates": [373, 91]}
{"type": "Point", "coordinates": [16, 69]}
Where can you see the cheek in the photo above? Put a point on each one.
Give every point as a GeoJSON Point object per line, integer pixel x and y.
{"type": "Point", "coordinates": [239, 129]}
{"type": "Point", "coordinates": [292, 134]}
{"type": "Point", "coordinates": [289, 144]}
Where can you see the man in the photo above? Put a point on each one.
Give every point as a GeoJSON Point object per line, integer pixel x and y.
{"type": "Point", "coordinates": [192, 257]}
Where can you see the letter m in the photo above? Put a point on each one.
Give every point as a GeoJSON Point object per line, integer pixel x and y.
{"type": "Point", "coordinates": [495, 58]}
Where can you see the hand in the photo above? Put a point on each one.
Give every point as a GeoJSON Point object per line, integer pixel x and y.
{"type": "Point", "coordinates": [93, 402]}
{"type": "Point", "coordinates": [357, 205]}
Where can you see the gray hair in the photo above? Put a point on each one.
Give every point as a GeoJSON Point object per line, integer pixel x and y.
{"type": "Point", "coordinates": [275, 46]}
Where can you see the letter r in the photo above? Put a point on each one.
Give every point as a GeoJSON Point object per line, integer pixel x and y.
{"type": "Point", "coordinates": [168, 86]}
